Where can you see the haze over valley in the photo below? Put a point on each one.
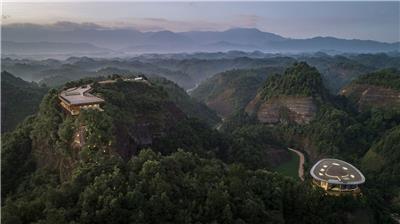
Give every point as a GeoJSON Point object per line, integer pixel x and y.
{"type": "Point", "coordinates": [64, 39]}
{"type": "Point", "coordinates": [200, 112]}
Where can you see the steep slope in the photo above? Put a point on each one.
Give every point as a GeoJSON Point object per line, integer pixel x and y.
{"type": "Point", "coordinates": [187, 104]}
{"type": "Point", "coordinates": [382, 164]}
{"type": "Point", "coordinates": [376, 90]}
{"type": "Point", "coordinates": [232, 90]}
{"type": "Point", "coordinates": [19, 99]}
{"type": "Point", "coordinates": [338, 71]}
{"type": "Point", "coordinates": [291, 97]}
{"type": "Point", "coordinates": [92, 184]}
{"type": "Point", "coordinates": [384, 154]}
{"type": "Point", "coordinates": [137, 114]}
{"type": "Point", "coordinates": [201, 69]}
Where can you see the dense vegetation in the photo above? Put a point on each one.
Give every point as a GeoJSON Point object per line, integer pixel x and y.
{"type": "Point", "coordinates": [193, 173]}
{"type": "Point", "coordinates": [298, 80]}
{"type": "Point", "coordinates": [382, 164]}
{"type": "Point", "coordinates": [389, 78]}
{"type": "Point", "coordinates": [102, 183]}
{"type": "Point", "coordinates": [237, 87]}
{"type": "Point", "coordinates": [180, 188]}
{"type": "Point", "coordinates": [19, 99]}
{"type": "Point", "coordinates": [368, 139]}
{"type": "Point", "coordinates": [189, 70]}
{"type": "Point", "coordinates": [187, 104]}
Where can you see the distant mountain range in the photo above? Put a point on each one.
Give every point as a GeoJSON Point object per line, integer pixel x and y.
{"type": "Point", "coordinates": [58, 38]}
{"type": "Point", "coordinates": [50, 47]}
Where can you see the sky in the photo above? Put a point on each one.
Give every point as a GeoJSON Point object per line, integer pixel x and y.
{"type": "Point", "coordinates": [351, 20]}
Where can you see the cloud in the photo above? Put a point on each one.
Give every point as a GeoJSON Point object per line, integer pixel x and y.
{"type": "Point", "coordinates": [156, 24]}
{"type": "Point", "coordinates": [150, 24]}
{"type": "Point", "coordinates": [248, 20]}
{"type": "Point", "coordinates": [60, 26]}
{"type": "Point", "coordinates": [66, 25]}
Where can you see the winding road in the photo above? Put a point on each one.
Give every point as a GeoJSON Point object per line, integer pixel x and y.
{"type": "Point", "coordinates": [301, 163]}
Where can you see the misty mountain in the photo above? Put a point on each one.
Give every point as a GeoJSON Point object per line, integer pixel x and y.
{"type": "Point", "coordinates": [20, 99]}
{"type": "Point", "coordinates": [244, 36]}
{"type": "Point", "coordinates": [31, 48]}
{"type": "Point", "coordinates": [190, 70]}
{"type": "Point", "coordinates": [331, 43]}
{"type": "Point", "coordinates": [92, 37]}
{"type": "Point", "coordinates": [71, 33]}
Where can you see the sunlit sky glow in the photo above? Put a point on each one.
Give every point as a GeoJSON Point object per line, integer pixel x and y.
{"type": "Point", "coordinates": [361, 20]}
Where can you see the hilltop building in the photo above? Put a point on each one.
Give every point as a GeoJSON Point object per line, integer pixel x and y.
{"type": "Point", "coordinates": [79, 98]}
{"type": "Point", "coordinates": [337, 176]}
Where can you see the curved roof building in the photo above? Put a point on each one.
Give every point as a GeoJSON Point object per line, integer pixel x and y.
{"type": "Point", "coordinates": [336, 176]}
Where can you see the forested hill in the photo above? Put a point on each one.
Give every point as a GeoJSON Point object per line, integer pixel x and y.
{"type": "Point", "coordinates": [230, 91]}
{"type": "Point", "coordinates": [298, 115]}
{"type": "Point", "coordinates": [192, 173]}
{"type": "Point", "coordinates": [19, 99]}
{"type": "Point", "coordinates": [186, 103]}
{"type": "Point", "coordinates": [298, 80]}
{"type": "Point", "coordinates": [137, 114]}
{"type": "Point", "coordinates": [189, 70]}
{"type": "Point", "coordinates": [389, 78]}
{"type": "Point", "coordinates": [380, 89]}
{"type": "Point", "coordinates": [292, 97]}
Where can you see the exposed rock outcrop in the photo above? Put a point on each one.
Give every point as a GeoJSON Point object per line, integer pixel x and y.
{"type": "Point", "coordinates": [283, 109]}
{"type": "Point", "coordinates": [232, 90]}
{"type": "Point", "coordinates": [366, 96]}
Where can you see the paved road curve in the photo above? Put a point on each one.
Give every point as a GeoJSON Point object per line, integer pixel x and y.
{"type": "Point", "coordinates": [301, 163]}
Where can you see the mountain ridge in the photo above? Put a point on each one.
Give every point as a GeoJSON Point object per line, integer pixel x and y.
{"type": "Point", "coordinates": [291, 97]}
{"type": "Point", "coordinates": [20, 99]}
{"type": "Point", "coordinates": [126, 40]}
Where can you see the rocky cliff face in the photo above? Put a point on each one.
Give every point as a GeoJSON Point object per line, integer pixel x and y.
{"type": "Point", "coordinates": [232, 90]}
{"type": "Point", "coordinates": [283, 109]}
{"type": "Point", "coordinates": [366, 96]}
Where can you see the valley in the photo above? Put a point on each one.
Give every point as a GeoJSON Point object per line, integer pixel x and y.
{"type": "Point", "coordinates": [200, 112]}
{"type": "Point", "coordinates": [236, 130]}
{"type": "Point", "coordinates": [301, 163]}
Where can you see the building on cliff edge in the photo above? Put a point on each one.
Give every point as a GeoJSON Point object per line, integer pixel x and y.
{"type": "Point", "coordinates": [79, 98]}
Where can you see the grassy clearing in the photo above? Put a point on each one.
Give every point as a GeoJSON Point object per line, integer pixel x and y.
{"type": "Point", "coordinates": [291, 167]}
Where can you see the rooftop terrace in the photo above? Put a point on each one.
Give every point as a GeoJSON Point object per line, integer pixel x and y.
{"type": "Point", "coordinates": [80, 96]}
{"type": "Point", "coordinates": [336, 171]}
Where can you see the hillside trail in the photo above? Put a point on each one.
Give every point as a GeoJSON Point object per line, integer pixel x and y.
{"type": "Point", "coordinates": [301, 163]}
